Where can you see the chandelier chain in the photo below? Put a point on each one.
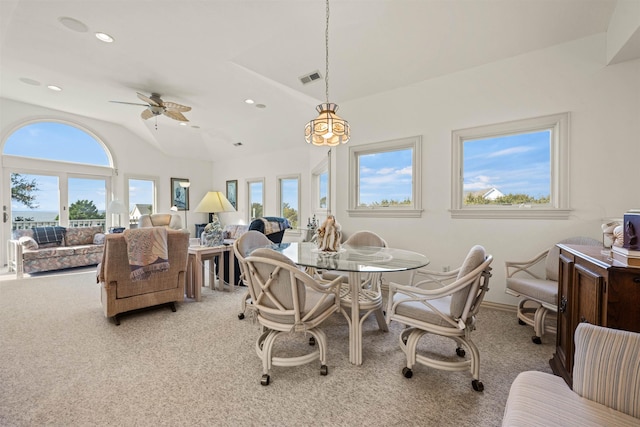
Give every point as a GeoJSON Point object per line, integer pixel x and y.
{"type": "Point", "coordinates": [326, 44]}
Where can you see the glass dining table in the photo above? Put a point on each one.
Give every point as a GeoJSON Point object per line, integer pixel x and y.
{"type": "Point", "coordinates": [355, 261]}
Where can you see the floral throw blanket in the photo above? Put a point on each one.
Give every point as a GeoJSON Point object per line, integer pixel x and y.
{"type": "Point", "coordinates": [147, 251]}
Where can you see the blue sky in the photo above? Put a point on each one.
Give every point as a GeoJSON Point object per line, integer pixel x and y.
{"type": "Point", "coordinates": [512, 164]}
{"type": "Point", "coordinates": [385, 176]}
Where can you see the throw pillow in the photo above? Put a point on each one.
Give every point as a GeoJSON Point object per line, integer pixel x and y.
{"type": "Point", "coordinates": [48, 234]}
{"type": "Point", "coordinates": [98, 239]}
{"type": "Point", "coordinates": [28, 242]}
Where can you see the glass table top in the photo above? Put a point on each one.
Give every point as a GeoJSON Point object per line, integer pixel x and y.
{"type": "Point", "coordinates": [362, 258]}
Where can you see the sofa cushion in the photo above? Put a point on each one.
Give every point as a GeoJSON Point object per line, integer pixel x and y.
{"type": "Point", "coordinates": [81, 235]}
{"type": "Point", "coordinates": [44, 235]}
{"type": "Point", "coordinates": [28, 242]}
{"type": "Point", "coordinates": [47, 253]}
{"type": "Point", "coordinates": [99, 238]}
{"type": "Point", "coordinates": [87, 249]}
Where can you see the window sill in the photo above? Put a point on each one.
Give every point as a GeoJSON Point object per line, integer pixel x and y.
{"type": "Point", "coordinates": [385, 213]}
{"type": "Point", "coordinates": [511, 213]}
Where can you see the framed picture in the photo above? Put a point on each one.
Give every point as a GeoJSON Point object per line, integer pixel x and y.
{"type": "Point", "coordinates": [180, 193]}
{"type": "Point", "coordinates": [232, 192]}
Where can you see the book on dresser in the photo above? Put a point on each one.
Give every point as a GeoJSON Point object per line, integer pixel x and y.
{"type": "Point", "coordinates": [626, 256]}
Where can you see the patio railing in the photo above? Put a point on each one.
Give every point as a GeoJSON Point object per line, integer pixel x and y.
{"type": "Point", "coordinates": [25, 225]}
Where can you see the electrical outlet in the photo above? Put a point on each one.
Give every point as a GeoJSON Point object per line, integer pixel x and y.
{"type": "Point", "coordinates": [446, 268]}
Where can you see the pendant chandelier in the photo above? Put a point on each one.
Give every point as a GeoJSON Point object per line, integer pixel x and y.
{"type": "Point", "coordinates": [328, 128]}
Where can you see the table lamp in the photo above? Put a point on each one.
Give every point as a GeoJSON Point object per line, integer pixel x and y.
{"type": "Point", "coordinates": [116, 207]}
{"type": "Point", "coordinates": [212, 202]}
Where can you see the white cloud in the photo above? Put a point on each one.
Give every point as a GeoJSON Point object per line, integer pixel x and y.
{"type": "Point", "coordinates": [510, 151]}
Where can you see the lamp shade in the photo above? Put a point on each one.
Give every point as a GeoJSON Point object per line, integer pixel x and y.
{"type": "Point", "coordinates": [117, 207]}
{"type": "Point", "coordinates": [214, 201]}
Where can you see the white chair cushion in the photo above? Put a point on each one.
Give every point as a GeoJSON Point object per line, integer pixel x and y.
{"type": "Point", "coordinates": [536, 289]}
{"type": "Point", "coordinates": [421, 312]}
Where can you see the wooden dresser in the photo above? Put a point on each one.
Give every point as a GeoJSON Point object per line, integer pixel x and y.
{"type": "Point", "coordinates": [596, 289]}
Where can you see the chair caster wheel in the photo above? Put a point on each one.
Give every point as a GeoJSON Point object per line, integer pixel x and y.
{"type": "Point", "coordinates": [265, 380]}
{"type": "Point", "coordinates": [521, 322]}
{"type": "Point", "coordinates": [241, 316]}
{"type": "Point", "coordinates": [460, 351]}
{"type": "Point", "coordinates": [477, 385]}
{"type": "Point", "coordinates": [536, 340]}
{"type": "Point", "coordinates": [324, 370]}
{"type": "Point", "coordinates": [312, 341]}
{"type": "Point", "coordinates": [408, 373]}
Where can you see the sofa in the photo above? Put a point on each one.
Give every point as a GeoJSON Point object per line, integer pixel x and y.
{"type": "Point", "coordinates": [41, 249]}
{"type": "Point", "coordinates": [606, 385]}
{"type": "Point", "coordinates": [120, 292]}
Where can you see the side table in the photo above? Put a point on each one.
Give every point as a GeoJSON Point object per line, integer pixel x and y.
{"type": "Point", "coordinates": [195, 268]}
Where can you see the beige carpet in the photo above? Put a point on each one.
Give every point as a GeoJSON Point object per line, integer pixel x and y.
{"type": "Point", "coordinates": [63, 363]}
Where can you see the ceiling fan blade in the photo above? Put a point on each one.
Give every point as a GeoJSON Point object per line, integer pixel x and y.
{"type": "Point", "coordinates": [148, 100]}
{"type": "Point", "coordinates": [176, 107]}
{"type": "Point", "coordinates": [146, 114]}
{"type": "Point", "coordinates": [176, 115]}
{"type": "Point", "coordinates": [130, 103]}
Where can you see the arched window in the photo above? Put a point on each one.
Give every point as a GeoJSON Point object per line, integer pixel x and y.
{"type": "Point", "coordinates": [59, 174]}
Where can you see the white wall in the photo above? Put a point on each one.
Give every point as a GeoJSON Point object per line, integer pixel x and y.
{"type": "Point", "coordinates": [604, 103]}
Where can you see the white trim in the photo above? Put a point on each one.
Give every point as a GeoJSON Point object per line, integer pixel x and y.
{"type": "Point", "coordinates": [415, 210]}
{"type": "Point", "coordinates": [559, 209]}
{"type": "Point", "coordinates": [248, 182]}
{"type": "Point", "coordinates": [279, 179]}
{"type": "Point", "coordinates": [316, 172]}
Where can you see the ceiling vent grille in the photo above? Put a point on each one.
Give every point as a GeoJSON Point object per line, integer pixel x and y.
{"type": "Point", "coordinates": [311, 77]}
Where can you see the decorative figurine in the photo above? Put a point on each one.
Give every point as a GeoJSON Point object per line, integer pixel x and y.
{"type": "Point", "coordinates": [329, 235]}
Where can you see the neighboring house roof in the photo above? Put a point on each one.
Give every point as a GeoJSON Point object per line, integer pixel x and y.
{"type": "Point", "coordinates": [492, 194]}
{"type": "Point", "coordinates": [141, 209]}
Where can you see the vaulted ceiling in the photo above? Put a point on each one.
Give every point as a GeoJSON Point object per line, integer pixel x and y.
{"type": "Point", "coordinates": [212, 55]}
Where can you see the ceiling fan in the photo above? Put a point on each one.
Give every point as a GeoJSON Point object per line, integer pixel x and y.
{"type": "Point", "coordinates": [156, 106]}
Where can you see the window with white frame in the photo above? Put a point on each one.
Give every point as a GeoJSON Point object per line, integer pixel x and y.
{"type": "Point", "coordinates": [517, 169]}
{"type": "Point", "coordinates": [320, 187]}
{"type": "Point", "coordinates": [289, 198]}
{"type": "Point", "coordinates": [141, 196]}
{"type": "Point", "coordinates": [385, 178]}
{"type": "Point", "coordinates": [255, 198]}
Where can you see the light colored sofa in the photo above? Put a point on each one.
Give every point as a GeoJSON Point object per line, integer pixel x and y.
{"type": "Point", "coordinates": [120, 293]}
{"type": "Point", "coordinates": [606, 385]}
{"type": "Point", "coordinates": [54, 248]}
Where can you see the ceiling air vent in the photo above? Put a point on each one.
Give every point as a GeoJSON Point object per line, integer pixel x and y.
{"type": "Point", "coordinates": [311, 77]}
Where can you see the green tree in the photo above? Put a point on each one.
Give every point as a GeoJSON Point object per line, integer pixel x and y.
{"type": "Point", "coordinates": [84, 209]}
{"type": "Point", "coordinates": [291, 214]}
{"type": "Point", "coordinates": [256, 210]}
{"type": "Point", "coordinates": [23, 190]}
{"type": "Point", "coordinates": [507, 199]}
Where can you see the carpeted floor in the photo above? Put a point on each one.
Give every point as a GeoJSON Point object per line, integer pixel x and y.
{"type": "Point", "coordinates": [63, 363]}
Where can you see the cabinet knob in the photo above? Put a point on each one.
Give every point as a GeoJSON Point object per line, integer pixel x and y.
{"type": "Point", "coordinates": [563, 304]}
{"type": "Point", "coordinates": [636, 279]}
{"type": "Point", "coordinates": [583, 319]}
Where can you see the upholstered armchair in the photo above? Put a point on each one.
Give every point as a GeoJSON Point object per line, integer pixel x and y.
{"type": "Point", "coordinates": [538, 293]}
{"type": "Point", "coordinates": [443, 304]}
{"type": "Point", "coordinates": [169, 221]}
{"type": "Point", "coordinates": [120, 293]}
{"type": "Point", "coordinates": [370, 295]}
{"type": "Point", "coordinates": [289, 301]}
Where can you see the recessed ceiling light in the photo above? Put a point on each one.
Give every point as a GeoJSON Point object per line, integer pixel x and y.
{"type": "Point", "coordinates": [104, 37]}
{"type": "Point", "coordinates": [55, 88]}
{"type": "Point", "coordinates": [195, 127]}
{"type": "Point", "coordinates": [183, 123]}
{"type": "Point", "coordinates": [29, 81]}
{"type": "Point", "coordinates": [237, 144]}
{"type": "Point", "coordinates": [249, 101]}
{"type": "Point", "coordinates": [261, 106]}
{"type": "Point", "coordinates": [73, 24]}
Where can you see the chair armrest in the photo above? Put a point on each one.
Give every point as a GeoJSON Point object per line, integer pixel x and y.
{"type": "Point", "coordinates": [423, 276]}
{"type": "Point", "coordinates": [14, 257]}
{"type": "Point", "coordinates": [606, 367]}
{"type": "Point", "coordinates": [513, 267]}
